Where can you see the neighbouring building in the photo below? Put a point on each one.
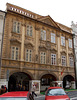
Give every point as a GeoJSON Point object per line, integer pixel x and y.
{"type": "Point", "coordinates": [74, 31]}
{"type": "Point", "coordinates": [36, 48]}
{"type": "Point", "coordinates": [2, 20]}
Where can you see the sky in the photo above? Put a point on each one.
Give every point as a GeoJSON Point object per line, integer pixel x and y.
{"type": "Point", "coordinates": [61, 11]}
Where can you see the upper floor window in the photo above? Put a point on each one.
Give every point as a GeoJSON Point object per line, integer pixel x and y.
{"type": "Point", "coordinates": [16, 27]}
{"type": "Point", "coordinates": [62, 40]}
{"type": "Point", "coordinates": [43, 58]}
{"type": "Point", "coordinates": [53, 59]}
{"type": "Point", "coordinates": [29, 30]}
{"type": "Point", "coordinates": [70, 43]}
{"type": "Point", "coordinates": [63, 60]}
{"type": "Point", "coordinates": [52, 37]}
{"type": "Point", "coordinates": [43, 35]}
{"type": "Point", "coordinates": [29, 55]}
{"type": "Point", "coordinates": [14, 53]}
{"type": "Point", "coordinates": [71, 62]}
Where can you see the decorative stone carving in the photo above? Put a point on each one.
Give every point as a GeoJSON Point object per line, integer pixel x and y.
{"type": "Point", "coordinates": [63, 53]}
{"type": "Point", "coordinates": [37, 28]}
{"type": "Point", "coordinates": [36, 57]}
{"type": "Point", "coordinates": [58, 34]}
{"type": "Point", "coordinates": [15, 40]}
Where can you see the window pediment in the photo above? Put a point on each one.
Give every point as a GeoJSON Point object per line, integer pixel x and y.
{"type": "Point", "coordinates": [63, 53]}
{"type": "Point", "coordinates": [29, 45]}
{"type": "Point", "coordinates": [42, 48]}
{"type": "Point", "coordinates": [71, 54]}
{"type": "Point", "coordinates": [15, 40]}
{"type": "Point", "coordinates": [53, 50]}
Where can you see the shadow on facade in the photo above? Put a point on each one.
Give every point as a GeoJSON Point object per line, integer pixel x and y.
{"type": "Point", "coordinates": [17, 80]}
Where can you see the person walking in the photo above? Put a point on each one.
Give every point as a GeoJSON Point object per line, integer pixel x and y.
{"type": "Point", "coordinates": [33, 90]}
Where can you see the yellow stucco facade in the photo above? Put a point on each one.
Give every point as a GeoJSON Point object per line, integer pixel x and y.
{"type": "Point", "coordinates": [34, 68]}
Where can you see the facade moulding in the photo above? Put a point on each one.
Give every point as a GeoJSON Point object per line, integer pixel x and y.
{"type": "Point", "coordinates": [57, 29]}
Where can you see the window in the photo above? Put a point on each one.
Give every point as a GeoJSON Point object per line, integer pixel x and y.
{"type": "Point", "coordinates": [29, 30]}
{"type": "Point", "coordinates": [53, 59]}
{"type": "Point", "coordinates": [28, 55]}
{"type": "Point", "coordinates": [43, 58]}
{"type": "Point", "coordinates": [16, 27]}
{"type": "Point", "coordinates": [71, 62]}
{"type": "Point", "coordinates": [45, 81]}
{"type": "Point", "coordinates": [52, 37]}
{"type": "Point", "coordinates": [43, 35]}
{"type": "Point", "coordinates": [63, 60]}
{"type": "Point", "coordinates": [14, 53]}
{"type": "Point", "coordinates": [70, 43]}
{"type": "Point", "coordinates": [62, 41]}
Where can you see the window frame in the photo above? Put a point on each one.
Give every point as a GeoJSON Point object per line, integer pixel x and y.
{"type": "Point", "coordinates": [53, 37]}
{"type": "Point", "coordinates": [43, 57]}
{"type": "Point", "coordinates": [62, 60]}
{"type": "Point", "coordinates": [43, 34]}
{"type": "Point", "coordinates": [16, 25]}
{"type": "Point", "coordinates": [71, 62]}
{"type": "Point", "coordinates": [70, 43]}
{"type": "Point", "coordinates": [62, 40]}
{"type": "Point", "coordinates": [14, 58]}
{"type": "Point", "coordinates": [29, 30]}
{"type": "Point", "coordinates": [53, 56]}
{"type": "Point", "coordinates": [29, 57]}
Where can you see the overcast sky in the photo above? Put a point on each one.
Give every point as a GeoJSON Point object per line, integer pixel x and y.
{"type": "Point", "coordinates": [62, 11]}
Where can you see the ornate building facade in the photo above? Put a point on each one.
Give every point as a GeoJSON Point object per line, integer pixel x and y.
{"type": "Point", "coordinates": [36, 47]}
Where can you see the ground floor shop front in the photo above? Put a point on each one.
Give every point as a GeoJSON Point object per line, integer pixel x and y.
{"type": "Point", "coordinates": [41, 80]}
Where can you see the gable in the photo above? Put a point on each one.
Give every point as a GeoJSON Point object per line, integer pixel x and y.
{"type": "Point", "coordinates": [48, 20]}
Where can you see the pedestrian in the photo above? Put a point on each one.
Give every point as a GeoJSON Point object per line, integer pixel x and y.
{"type": "Point", "coordinates": [5, 88]}
{"type": "Point", "coordinates": [33, 90]}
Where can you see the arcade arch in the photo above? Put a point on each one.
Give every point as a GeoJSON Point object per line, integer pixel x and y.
{"type": "Point", "coordinates": [19, 78]}
{"type": "Point", "coordinates": [68, 81]}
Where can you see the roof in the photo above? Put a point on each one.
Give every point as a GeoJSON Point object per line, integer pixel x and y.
{"type": "Point", "coordinates": [55, 88]}
{"type": "Point", "coordinates": [64, 28]}
{"type": "Point", "coordinates": [44, 19]}
{"type": "Point", "coordinates": [15, 94]}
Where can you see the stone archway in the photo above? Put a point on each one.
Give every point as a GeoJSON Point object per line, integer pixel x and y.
{"type": "Point", "coordinates": [19, 78]}
{"type": "Point", "coordinates": [47, 81]}
{"type": "Point", "coordinates": [68, 80]}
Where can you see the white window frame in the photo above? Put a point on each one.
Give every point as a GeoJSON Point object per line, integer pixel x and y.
{"type": "Point", "coordinates": [53, 59]}
{"type": "Point", "coordinates": [14, 50]}
{"type": "Point", "coordinates": [71, 61]}
{"type": "Point", "coordinates": [70, 43]}
{"type": "Point", "coordinates": [28, 55]}
{"type": "Point", "coordinates": [53, 38]}
{"type": "Point", "coordinates": [43, 34]}
{"type": "Point", "coordinates": [42, 57]}
{"type": "Point", "coordinates": [63, 60]}
{"type": "Point", "coordinates": [62, 40]}
{"type": "Point", "coordinates": [29, 30]}
{"type": "Point", "coordinates": [16, 27]}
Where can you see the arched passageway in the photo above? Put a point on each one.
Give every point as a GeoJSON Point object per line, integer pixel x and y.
{"type": "Point", "coordinates": [67, 81]}
{"type": "Point", "coordinates": [18, 79]}
{"type": "Point", "coordinates": [47, 80]}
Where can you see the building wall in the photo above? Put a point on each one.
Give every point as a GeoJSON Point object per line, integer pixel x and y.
{"type": "Point", "coordinates": [2, 17]}
{"type": "Point", "coordinates": [34, 68]}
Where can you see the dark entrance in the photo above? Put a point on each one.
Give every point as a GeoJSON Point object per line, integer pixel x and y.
{"type": "Point", "coordinates": [67, 81]}
{"type": "Point", "coordinates": [47, 79]}
{"type": "Point", "coordinates": [19, 79]}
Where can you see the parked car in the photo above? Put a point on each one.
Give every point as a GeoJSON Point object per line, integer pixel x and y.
{"type": "Point", "coordinates": [17, 95]}
{"type": "Point", "coordinates": [56, 93]}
